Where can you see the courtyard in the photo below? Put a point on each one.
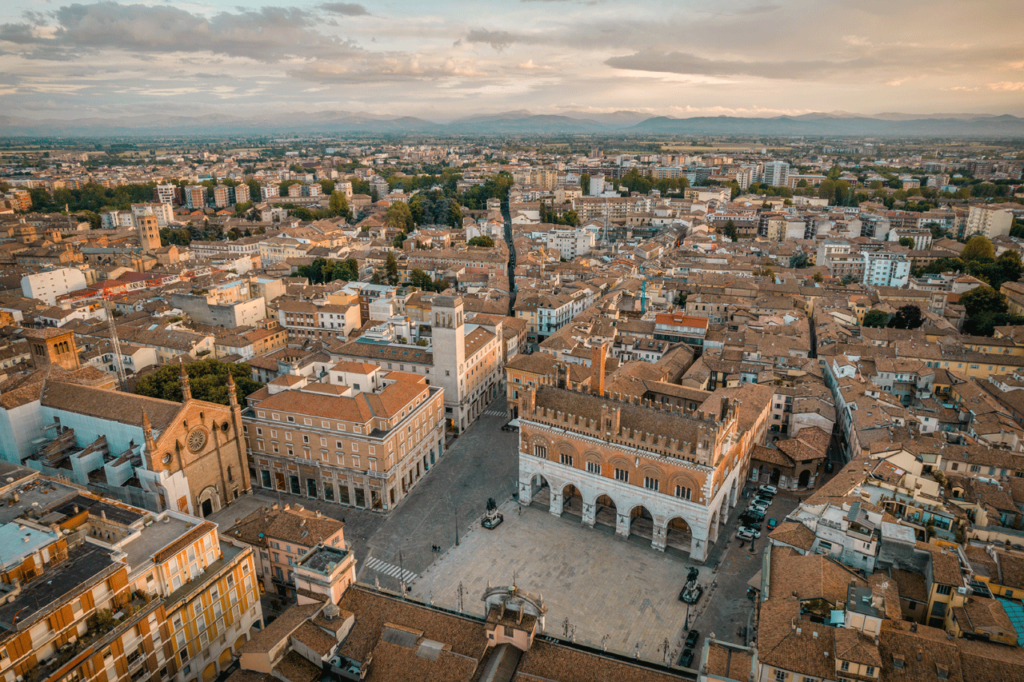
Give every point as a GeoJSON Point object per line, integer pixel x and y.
{"type": "Point", "coordinates": [600, 590]}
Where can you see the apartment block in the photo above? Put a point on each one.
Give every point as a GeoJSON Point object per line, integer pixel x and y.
{"type": "Point", "coordinates": [106, 591]}
{"type": "Point", "coordinates": [363, 436]}
{"type": "Point", "coordinates": [281, 536]}
{"type": "Point", "coordinates": [988, 221]}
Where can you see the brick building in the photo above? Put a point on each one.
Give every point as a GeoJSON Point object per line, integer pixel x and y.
{"type": "Point", "coordinates": [643, 466]}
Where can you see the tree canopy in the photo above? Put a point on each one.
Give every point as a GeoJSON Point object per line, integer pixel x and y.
{"type": "Point", "coordinates": [322, 270]}
{"type": "Point", "coordinates": [207, 379]}
{"type": "Point", "coordinates": [482, 240]}
{"type": "Point", "coordinates": [977, 247]}
{"type": "Point", "coordinates": [875, 318]}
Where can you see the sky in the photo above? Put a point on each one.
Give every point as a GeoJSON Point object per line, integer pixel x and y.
{"type": "Point", "coordinates": [445, 60]}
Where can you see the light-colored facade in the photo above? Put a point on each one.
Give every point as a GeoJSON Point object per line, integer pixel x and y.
{"type": "Point", "coordinates": [364, 437]}
{"type": "Point", "coordinates": [988, 221]}
{"type": "Point", "coordinates": [595, 455]}
{"type": "Point", "coordinates": [49, 285]}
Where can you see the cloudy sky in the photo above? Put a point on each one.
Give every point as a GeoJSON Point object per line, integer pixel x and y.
{"type": "Point", "coordinates": [443, 60]}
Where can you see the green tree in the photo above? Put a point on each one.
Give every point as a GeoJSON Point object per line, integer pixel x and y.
{"type": "Point", "coordinates": [818, 277]}
{"type": "Point", "coordinates": [977, 247]}
{"type": "Point", "coordinates": [907, 241]}
{"type": "Point", "coordinates": [482, 240]}
{"type": "Point", "coordinates": [398, 215]}
{"type": "Point", "coordinates": [730, 231]}
{"type": "Point", "coordinates": [799, 260]}
{"type": "Point", "coordinates": [391, 268]}
{"type": "Point", "coordinates": [827, 189]}
{"type": "Point", "coordinates": [207, 378]}
{"type": "Point", "coordinates": [876, 318]}
{"type": "Point", "coordinates": [907, 317]}
{"type": "Point", "coordinates": [420, 279]}
{"type": "Point", "coordinates": [585, 183]}
{"type": "Point", "coordinates": [982, 300]}
{"type": "Point", "coordinates": [338, 205]}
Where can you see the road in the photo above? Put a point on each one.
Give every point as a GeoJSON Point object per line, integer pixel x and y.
{"type": "Point", "coordinates": [482, 463]}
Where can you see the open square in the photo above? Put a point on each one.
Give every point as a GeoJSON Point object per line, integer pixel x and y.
{"type": "Point", "coordinates": [619, 591]}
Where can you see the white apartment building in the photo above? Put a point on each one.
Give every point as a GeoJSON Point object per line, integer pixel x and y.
{"type": "Point", "coordinates": [989, 221]}
{"type": "Point", "coordinates": [269, 191]}
{"type": "Point", "coordinates": [48, 285]}
{"type": "Point", "coordinates": [163, 213]}
{"type": "Point", "coordinates": [165, 194]}
{"type": "Point", "coordinates": [884, 269]}
{"type": "Point", "coordinates": [571, 242]}
{"type": "Point", "coordinates": [776, 174]}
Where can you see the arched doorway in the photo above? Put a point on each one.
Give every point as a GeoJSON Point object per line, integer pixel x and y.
{"type": "Point", "coordinates": [209, 501]}
{"type": "Point", "coordinates": [641, 523]}
{"type": "Point", "coordinates": [605, 511]}
{"type": "Point", "coordinates": [678, 534]}
{"type": "Point", "coordinates": [572, 500]}
{"type": "Point", "coordinates": [540, 491]}
{"type": "Point", "coordinates": [776, 474]}
{"type": "Point", "coordinates": [804, 479]}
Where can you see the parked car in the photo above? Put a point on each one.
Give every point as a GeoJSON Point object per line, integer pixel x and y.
{"type": "Point", "coordinates": [770, 489]}
{"type": "Point", "coordinates": [687, 658]}
{"type": "Point", "coordinates": [753, 532]}
{"type": "Point", "coordinates": [691, 639]}
{"type": "Point", "coordinates": [767, 499]}
{"type": "Point", "coordinates": [744, 535]}
{"type": "Point", "coordinates": [749, 522]}
{"type": "Point", "coordinates": [772, 523]}
{"type": "Point", "coordinates": [752, 514]}
{"type": "Point", "coordinates": [758, 506]}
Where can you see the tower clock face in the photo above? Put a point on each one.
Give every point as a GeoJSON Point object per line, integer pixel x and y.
{"type": "Point", "coordinates": [196, 440]}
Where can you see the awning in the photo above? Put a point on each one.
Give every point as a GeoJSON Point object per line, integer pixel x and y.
{"type": "Point", "coordinates": [755, 582]}
{"type": "Point", "coordinates": [514, 423]}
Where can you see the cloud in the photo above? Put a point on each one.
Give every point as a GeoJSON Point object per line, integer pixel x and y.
{"type": "Point", "coordinates": [1006, 86]}
{"type": "Point", "coordinates": [347, 9]}
{"type": "Point", "coordinates": [684, 63]}
{"type": "Point", "coordinates": [528, 65]}
{"type": "Point", "coordinates": [265, 34]}
{"type": "Point", "coordinates": [384, 69]}
{"type": "Point", "coordinates": [499, 40]}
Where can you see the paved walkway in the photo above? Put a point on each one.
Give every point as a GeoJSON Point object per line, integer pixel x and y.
{"type": "Point", "coordinates": [605, 586]}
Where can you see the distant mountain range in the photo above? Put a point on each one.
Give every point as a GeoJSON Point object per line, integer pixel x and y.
{"type": "Point", "coordinates": [524, 122]}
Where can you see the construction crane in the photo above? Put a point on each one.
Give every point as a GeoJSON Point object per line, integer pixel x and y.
{"type": "Point", "coordinates": [115, 345]}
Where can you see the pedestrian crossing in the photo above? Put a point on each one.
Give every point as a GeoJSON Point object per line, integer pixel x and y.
{"type": "Point", "coordinates": [390, 570]}
{"type": "Point", "coordinates": [496, 413]}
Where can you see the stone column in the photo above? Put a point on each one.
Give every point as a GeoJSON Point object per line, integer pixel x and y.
{"type": "Point", "coordinates": [556, 502]}
{"type": "Point", "coordinates": [621, 524]}
{"type": "Point", "coordinates": [659, 535]}
{"type": "Point", "coordinates": [589, 514]}
{"type": "Point", "coordinates": [525, 493]}
{"type": "Point", "coordinates": [698, 547]}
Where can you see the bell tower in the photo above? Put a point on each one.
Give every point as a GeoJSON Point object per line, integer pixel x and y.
{"type": "Point", "coordinates": [448, 332]}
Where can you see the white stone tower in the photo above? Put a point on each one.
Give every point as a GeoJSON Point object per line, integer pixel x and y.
{"type": "Point", "coordinates": [449, 346]}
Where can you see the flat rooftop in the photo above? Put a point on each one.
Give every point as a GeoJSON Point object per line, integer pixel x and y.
{"type": "Point", "coordinates": [142, 545]}
{"type": "Point", "coordinates": [86, 564]}
{"type": "Point", "coordinates": [323, 559]}
{"type": "Point", "coordinates": [18, 541]}
{"type": "Point", "coordinates": [39, 495]}
{"type": "Point", "coordinates": [99, 509]}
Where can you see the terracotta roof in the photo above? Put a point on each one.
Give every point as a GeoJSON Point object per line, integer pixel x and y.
{"type": "Point", "coordinates": [297, 526]}
{"type": "Point", "coordinates": [114, 406]}
{"type": "Point", "coordinates": [296, 668]}
{"type": "Point", "coordinates": [549, 661]}
{"type": "Point", "coordinates": [262, 641]}
{"type": "Point", "coordinates": [373, 610]}
{"type": "Point", "coordinates": [315, 638]}
{"type": "Point", "coordinates": [794, 534]}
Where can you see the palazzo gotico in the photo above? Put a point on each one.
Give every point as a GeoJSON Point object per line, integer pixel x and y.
{"type": "Point", "coordinates": [644, 466]}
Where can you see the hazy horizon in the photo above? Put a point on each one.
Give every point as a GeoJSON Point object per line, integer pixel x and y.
{"type": "Point", "coordinates": [442, 62]}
